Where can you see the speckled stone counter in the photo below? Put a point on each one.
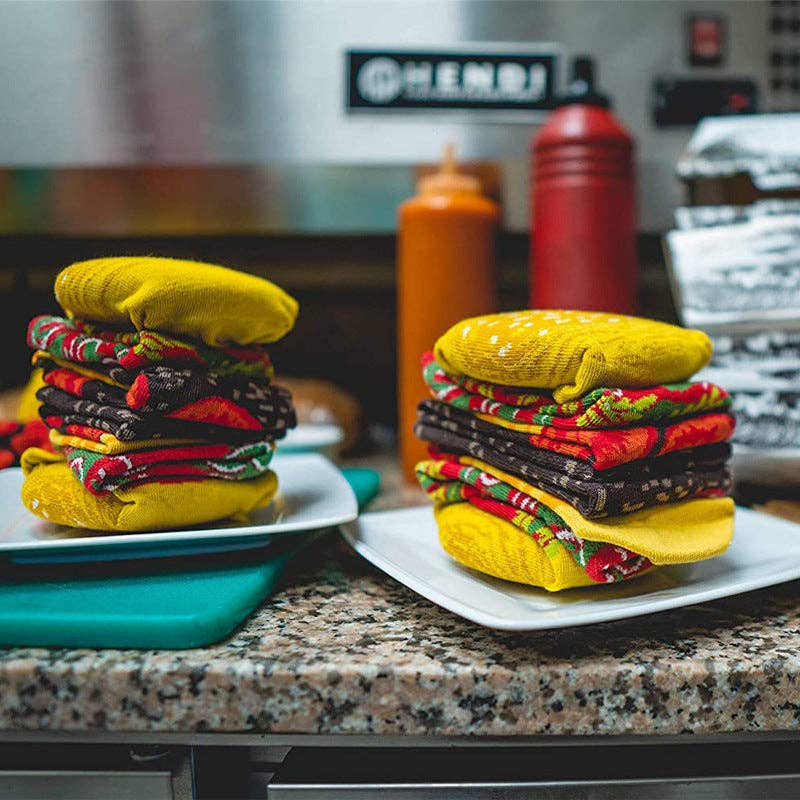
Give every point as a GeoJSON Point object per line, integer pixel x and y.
{"type": "Point", "coordinates": [343, 649]}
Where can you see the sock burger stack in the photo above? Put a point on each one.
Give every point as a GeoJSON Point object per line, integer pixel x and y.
{"type": "Point", "coordinates": [158, 395]}
{"type": "Point", "coordinates": [569, 448]}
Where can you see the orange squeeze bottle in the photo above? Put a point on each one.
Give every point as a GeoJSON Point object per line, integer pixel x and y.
{"type": "Point", "coordinates": [445, 273]}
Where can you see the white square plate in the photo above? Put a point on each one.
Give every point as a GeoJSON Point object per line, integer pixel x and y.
{"type": "Point", "coordinates": [404, 544]}
{"type": "Point", "coordinates": [312, 494]}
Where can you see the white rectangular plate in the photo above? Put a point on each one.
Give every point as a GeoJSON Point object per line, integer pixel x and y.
{"type": "Point", "coordinates": [405, 545]}
{"type": "Point", "coordinates": [312, 494]}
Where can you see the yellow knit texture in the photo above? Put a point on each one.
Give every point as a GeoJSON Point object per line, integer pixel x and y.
{"type": "Point", "coordinates": [52, 492]}
{"type": "Point", "coordinates": [673, 533]}
{"type": "Point", "coordinates": [491, 545]}
{"type": "Point", "coordinates": [188, 298]}
{"type": "Point", "coordinates": [110, 445]}
{"type": "Point", "coordinates": [571, 352]}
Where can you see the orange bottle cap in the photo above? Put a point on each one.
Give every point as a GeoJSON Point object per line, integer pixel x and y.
{"type": "Point", "coordinates": [448, 180]}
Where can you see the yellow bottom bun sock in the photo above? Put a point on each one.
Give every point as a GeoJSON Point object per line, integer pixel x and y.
{"type": "Point", "coordinates": [491, 545]}
{"type": "Point", "coordinates": [52, 492]}
{"type": "Point", "coordinates": [674, 533]}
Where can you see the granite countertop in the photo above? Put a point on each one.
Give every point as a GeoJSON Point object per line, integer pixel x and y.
{"type": "Point", "coordinates": [342, 648]}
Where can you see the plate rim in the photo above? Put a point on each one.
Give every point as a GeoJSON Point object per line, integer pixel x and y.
{"type": "Point", "coordinates": [776, 453]}
{"type": "Point", "coordinates": [329, 434]}
{"type": "Point", "coordinates": [441, 598]}
{"type": "Point", "coordinates": [155, 538]}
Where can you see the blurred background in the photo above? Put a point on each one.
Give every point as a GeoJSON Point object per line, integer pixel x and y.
{"type": "Point", "coordinates": [241, 133]}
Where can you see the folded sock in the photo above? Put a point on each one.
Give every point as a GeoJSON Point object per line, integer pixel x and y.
{"type": "Point", "coordinates": [64, 411]}
{"type": "Point", "coordinates": [82, 386]}
{"type": "Point", "coordinates": [600, 408]}
{"type": "Point", "coordinates": [448, 481]}
{"type": "Point", "coordinates": [85, 343]}
{"type": "Point", "coordinates": [51, 491]}
{"type": "Point", "coordinates": [189, 394]}
{"type": "Point", "coordinates": [87, 419]}
{"type": "Point", "coordinates": [571, 352]}
{"type": "Point", "coordinates": [211, 303]}
{"type": "Point", "coordinates": [213, 398]}
{"type": "Point", "coordinates": [595, 497]}
{"type": "Point", "coordinates": [608, 448]}
{"type": "Point", "coordinates": [102, 442]}
{"type": "Point", "coordinates": [452, 429]}
{"type": "Point", "coordinates": [105, 373]}
{"type": "Point", "coordinates": [675, 533]}
{"type": "Point", "coordinates": [102, 474]}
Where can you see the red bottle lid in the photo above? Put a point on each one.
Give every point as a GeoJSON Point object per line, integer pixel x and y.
{"type": "Point", "coordinates": [582, 134]}
{"type": "Point", "coordinates": [583, 252]}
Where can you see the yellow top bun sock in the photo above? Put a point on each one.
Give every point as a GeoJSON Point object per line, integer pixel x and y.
{"type": "Point", "coordinates": [53, 493]}
{"type": "Point", "coordinates": [217, 305]}
{"type": "Point", "coordinates": [571, 352]}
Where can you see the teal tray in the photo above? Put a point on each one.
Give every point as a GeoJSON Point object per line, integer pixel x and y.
{"type": "Point", "coordinates": [159, 603]}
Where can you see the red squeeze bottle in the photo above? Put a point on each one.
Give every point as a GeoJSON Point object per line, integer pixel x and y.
{"type": "Point", "coordinates": [583, 253]}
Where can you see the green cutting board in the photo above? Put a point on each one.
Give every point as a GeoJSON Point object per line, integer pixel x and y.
{"type": "Point", "coordinates": [169, 603]}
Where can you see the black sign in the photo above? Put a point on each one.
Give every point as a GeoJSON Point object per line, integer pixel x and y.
{"type": "Point", "coordinates": [469, 80]}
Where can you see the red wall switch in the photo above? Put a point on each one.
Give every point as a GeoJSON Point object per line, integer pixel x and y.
{"type": "Point", "coordinates": [706, 41]}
